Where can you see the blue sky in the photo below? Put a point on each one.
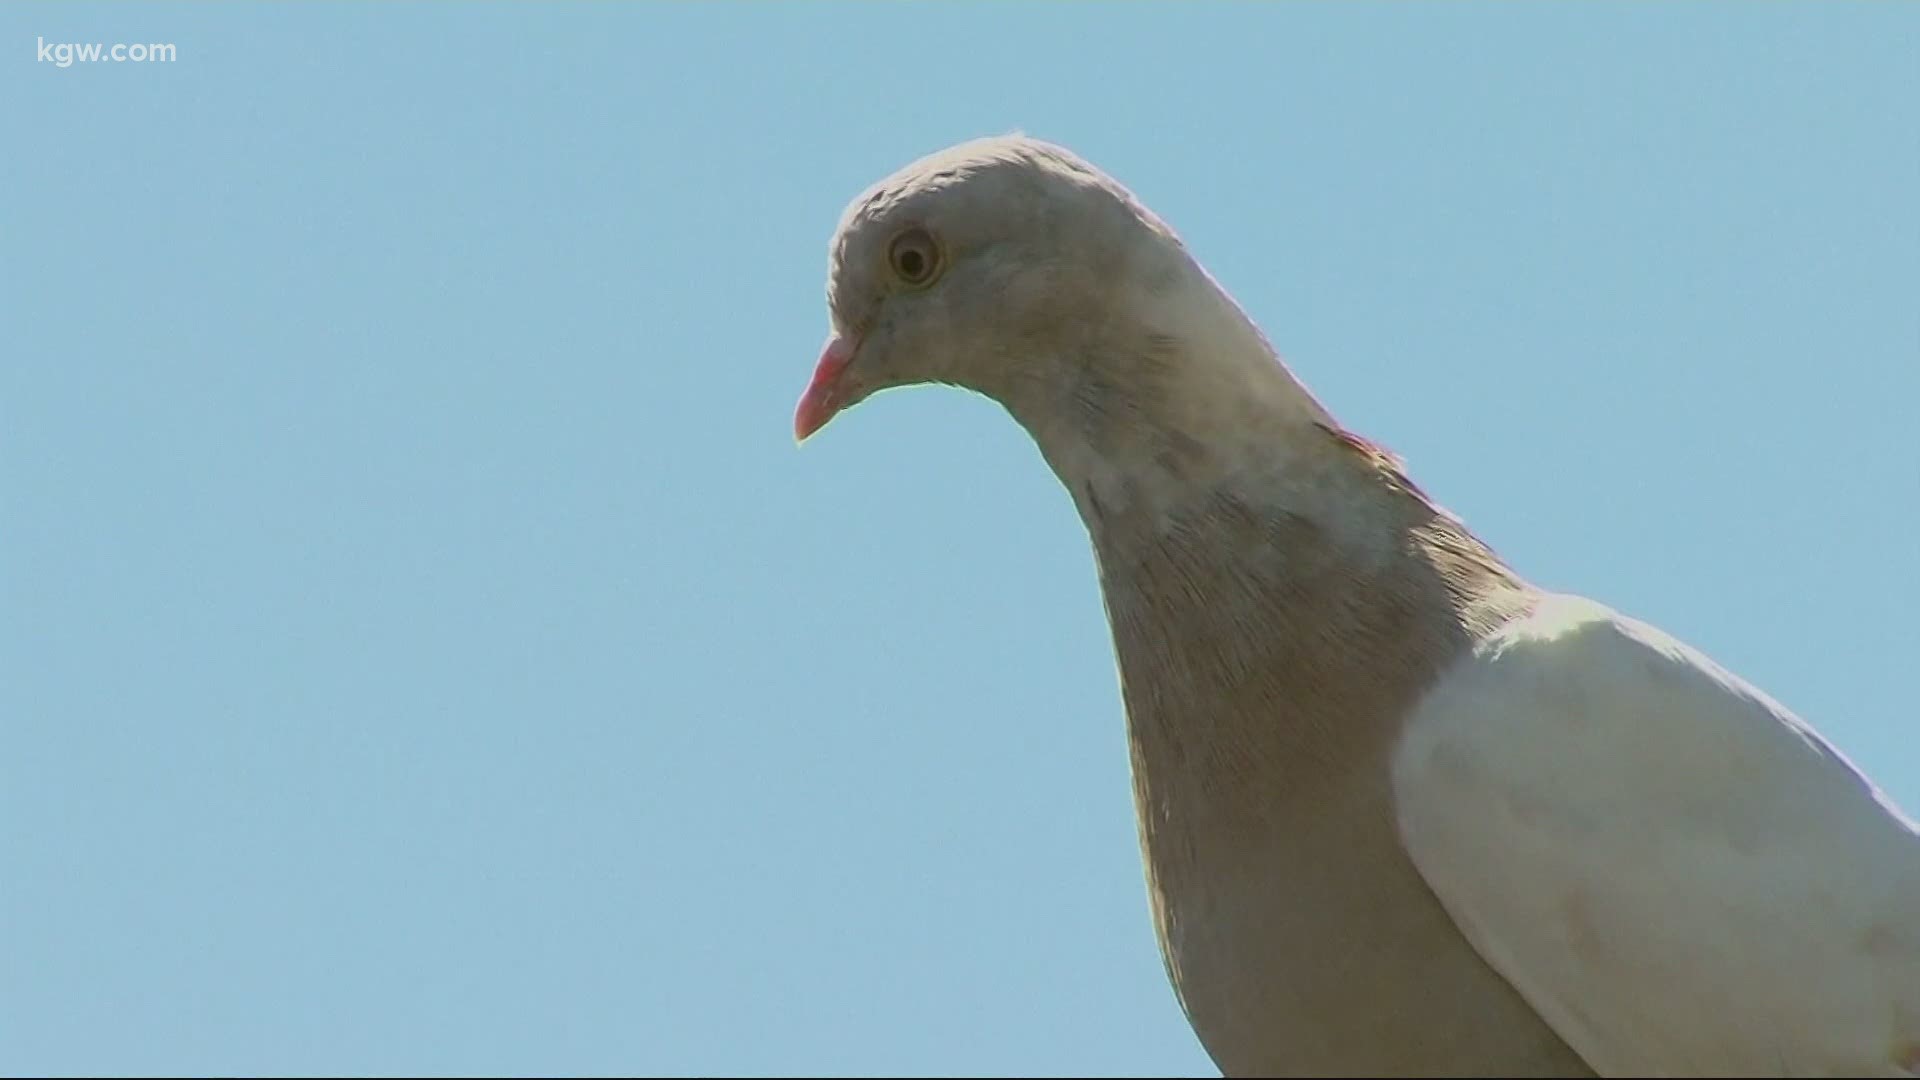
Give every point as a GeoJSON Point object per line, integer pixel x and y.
{"type": "Point", "coordinates": [425, 650]}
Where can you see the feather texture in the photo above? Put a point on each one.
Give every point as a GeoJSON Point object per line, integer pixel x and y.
{"type": "Point", "coordinates": [1402, 813]}
{"type": "Point", "coordinates": [1673, 869]}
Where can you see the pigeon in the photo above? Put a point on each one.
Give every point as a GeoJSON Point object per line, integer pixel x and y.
{"type": "Point", "coordinates": [1402, 811]}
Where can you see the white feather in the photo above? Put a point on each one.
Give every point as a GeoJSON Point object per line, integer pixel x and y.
{"type": "Point", "coordinates": [1677, 872]}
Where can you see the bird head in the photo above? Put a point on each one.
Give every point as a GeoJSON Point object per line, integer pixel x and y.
{"type": "Point", "coordinates": [990, 265]}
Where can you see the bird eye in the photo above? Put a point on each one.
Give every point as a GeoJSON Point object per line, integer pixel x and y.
{"type": "Point", "coordinates": [915, 257]}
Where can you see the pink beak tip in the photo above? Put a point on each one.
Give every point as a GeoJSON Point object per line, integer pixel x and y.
{"type": "Point", "coordinates": [821, 401]}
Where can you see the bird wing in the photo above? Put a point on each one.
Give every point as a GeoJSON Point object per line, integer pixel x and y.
{"type": "Point", "coordinates": [1680, 875]}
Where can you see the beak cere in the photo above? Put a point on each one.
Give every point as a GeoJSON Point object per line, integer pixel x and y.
{"type": "Point", "coordinates": [824, 396]}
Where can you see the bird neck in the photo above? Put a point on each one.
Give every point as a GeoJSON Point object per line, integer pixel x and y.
{"type": "Point", "coordinates": [1178, 423]}
{"type": "Point", "coordinates": [1175, 395]}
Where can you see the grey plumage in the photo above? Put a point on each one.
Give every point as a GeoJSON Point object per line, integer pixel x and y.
{"type": "Point", "coordinates": [1285, 607]}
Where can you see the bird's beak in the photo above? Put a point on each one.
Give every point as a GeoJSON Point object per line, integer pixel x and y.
{"type": "Point", "coordinates": [826, 394]}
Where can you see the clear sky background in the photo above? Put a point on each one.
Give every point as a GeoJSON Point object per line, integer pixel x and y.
{"type": "Point", "coordinates": [426, 651]}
